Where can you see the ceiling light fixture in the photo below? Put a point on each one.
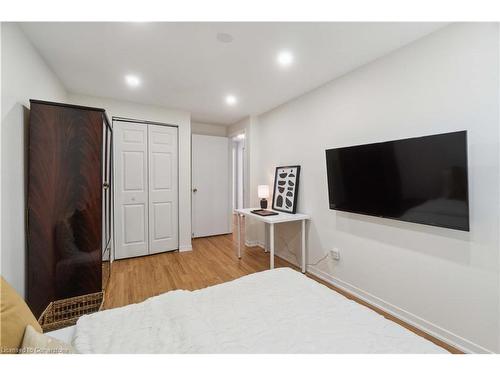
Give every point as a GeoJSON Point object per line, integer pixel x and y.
{"type": "Point", "coordinates": [231, 100]}
{"type": "Point", "coordinates": [132, 80]}
{"type": "Point", "coordinates": [285, 58]}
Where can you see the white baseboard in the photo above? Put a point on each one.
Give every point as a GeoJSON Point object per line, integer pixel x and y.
{"type": "Point", "coordinates": [185, 248]}
{"type": "Point", "coordinates": [413, 320]}
{"type": "Point", "coordinates": [254, 243]}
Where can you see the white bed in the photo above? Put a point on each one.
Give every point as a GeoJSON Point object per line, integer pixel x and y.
{"type": "Point", "coordinates": [275, 311]}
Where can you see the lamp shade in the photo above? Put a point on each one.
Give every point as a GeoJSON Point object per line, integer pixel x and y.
{"type": "Point", "coordinates": [263, 191]}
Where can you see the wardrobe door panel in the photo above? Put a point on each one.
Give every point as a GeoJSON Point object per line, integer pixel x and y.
{"type": "Point", "coordinates": [107, 204]}
{"type": "Point", "coordinates": [64, 226]}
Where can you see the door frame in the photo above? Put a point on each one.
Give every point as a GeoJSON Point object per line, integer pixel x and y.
{"type": "Point", "coordinates": [146, 122]}
{"type": "Point", "coordinates": [244, 170]}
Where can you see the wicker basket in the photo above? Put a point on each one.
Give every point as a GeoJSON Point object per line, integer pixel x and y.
{"type": "Point", "coordinates": [65, 312]}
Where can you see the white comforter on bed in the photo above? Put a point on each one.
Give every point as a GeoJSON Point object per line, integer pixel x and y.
{"type": "Point", "coordinates": [277, 311]}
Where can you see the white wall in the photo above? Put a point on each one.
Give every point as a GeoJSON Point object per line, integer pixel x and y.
{"type": "Point", "coordinates": [116, 108]}
{"type": "Point", "coordinates": [203, 128]}
{"type": "Point", "coordinates": [444, 281]}
{"type": "Point", "coordinates": [24, 76]}
{"type": "Point", "coordinates": [239, 127]}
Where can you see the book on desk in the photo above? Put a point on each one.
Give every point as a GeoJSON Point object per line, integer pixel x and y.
{"type": "Point", "coordinates": [264, 212]}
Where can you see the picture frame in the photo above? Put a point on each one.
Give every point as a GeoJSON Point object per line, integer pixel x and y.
{"type": "Point", "coordinates": [286, 188]}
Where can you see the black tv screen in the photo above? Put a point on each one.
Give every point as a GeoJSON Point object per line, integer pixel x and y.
{"type": "Point", "coordinates": [421, 180]}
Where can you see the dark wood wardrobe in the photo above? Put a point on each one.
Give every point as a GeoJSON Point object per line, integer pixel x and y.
{"type": "Point", "coordinates": [69, 204]}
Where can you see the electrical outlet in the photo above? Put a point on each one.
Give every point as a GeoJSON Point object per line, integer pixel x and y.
{"type": "Point", "coordinates": [335, 254]}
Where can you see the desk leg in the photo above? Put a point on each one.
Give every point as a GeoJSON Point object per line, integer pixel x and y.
{"type": "Point", "coordinates": [304, 260]}
{"type": "Point", "coordinates": [239, 236]}
{"type": "Point", "coordinates": [271, 244]}
{"type": "Point", "coordinates": [266, 249]}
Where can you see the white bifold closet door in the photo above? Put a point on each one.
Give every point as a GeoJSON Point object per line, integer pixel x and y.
{"type": "Point", "coordinates": [131, 189]}
{"type": "Point", "coordinates": [146, 189]}
{"type": "Point", "coordinates": [163, 189]}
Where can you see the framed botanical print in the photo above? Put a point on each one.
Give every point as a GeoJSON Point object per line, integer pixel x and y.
{"type": "Point", "coordinates": [286, 188]}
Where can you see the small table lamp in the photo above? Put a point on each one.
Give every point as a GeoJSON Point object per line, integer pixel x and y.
{"type": "Point", "coordinates": [263, 194]}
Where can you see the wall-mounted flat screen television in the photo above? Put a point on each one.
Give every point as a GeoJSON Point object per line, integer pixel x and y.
{"type": "Point", "coordinates": [421, 180]}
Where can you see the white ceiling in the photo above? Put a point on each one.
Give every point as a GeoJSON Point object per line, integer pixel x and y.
{"type": "Point", "coordinates": [183, 66]}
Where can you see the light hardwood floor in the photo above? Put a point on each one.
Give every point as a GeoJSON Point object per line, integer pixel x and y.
{"type": "Point", "coordinates": [212, 261]}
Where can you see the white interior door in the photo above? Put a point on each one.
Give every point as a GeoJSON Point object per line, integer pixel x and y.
{"type": "Point", "coordinates": [211, 186]}
{"type": "Point", "coordinates": [131, 189]}
{"type": "Point", "coordinates": [163, 188]}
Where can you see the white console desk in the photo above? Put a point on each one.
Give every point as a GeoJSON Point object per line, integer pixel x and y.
{"type": "Point", "coordinates": [282, 217]}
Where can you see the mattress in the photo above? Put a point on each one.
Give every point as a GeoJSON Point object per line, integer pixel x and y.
{"type": "Point", "coordinates": [275, 311]}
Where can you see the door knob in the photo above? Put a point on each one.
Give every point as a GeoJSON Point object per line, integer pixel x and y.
{"type": "Point", "coordinates": [195, 190]}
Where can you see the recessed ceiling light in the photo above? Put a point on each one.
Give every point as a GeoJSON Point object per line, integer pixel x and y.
{"type": "Point", "coordinates": [132, 80]}
{"type": "Point", "coordinates": [231, 100]}
{"type": "Point", "coordinates": [224, 37]}
{"type": "Point", "coordinates": [285, 58]}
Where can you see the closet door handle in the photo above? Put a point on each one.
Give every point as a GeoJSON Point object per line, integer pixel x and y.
{"type": "Point", "coordinates": [105, 185]}
{"type": "Point", "coordinates": [195, 190]}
